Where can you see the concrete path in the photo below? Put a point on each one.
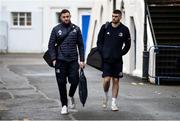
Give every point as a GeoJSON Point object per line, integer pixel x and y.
{"type": "Point", "coordinates": [28, 91]}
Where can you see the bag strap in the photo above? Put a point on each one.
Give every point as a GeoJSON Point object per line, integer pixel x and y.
{"type": "Point", "coordinates": [60, 41]}
{"type": "Point", "coordinates": [107, 24]}
{"type": "Point", "coordinates": [105, 27]}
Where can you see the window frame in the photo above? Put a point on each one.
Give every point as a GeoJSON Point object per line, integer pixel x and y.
{"type": "Point", "coordinates": [19, 18]}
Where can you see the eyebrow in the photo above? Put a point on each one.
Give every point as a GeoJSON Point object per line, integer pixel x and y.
{"type": "Point", "coordinates": [65, 16]}
{"type": "Point", "coordinates": [114, 16]}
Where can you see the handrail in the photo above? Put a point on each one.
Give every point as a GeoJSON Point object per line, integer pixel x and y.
{"type": "Point", "coordinates": [161, 77]}
{"type": "Point", "coordinates": [150, 22]}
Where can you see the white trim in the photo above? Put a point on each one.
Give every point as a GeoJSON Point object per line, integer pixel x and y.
{"type": "Point", "coordinates": [21, 27]}
{"type": "Point", "coordinates": [18, 20]}
{"type": "Point", "coordinates": [81, 12]}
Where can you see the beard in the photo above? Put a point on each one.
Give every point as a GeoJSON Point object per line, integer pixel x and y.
{"type": "Point", "coordinates": [115, 21]}
{"type": "Point", "coordinates": [66, 23]}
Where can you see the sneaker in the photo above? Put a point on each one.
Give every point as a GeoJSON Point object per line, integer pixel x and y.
{"type": "Point", "coordinates": [105, 103]}
{"type": "Point", "coordinates": [64, 110]}
{"type": "Point", "coordinates": [114, 107]}
{"type": "Point", "coordinates": [72, 103]}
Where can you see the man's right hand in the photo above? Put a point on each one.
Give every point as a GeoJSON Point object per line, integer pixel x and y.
{"type": "Point", "coordinates": [54, 63]}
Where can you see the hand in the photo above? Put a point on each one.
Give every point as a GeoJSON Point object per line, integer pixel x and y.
{"type": "Point", "coordinates": [54, 62]}
{"type": "Point", "coordinates": [82, 65]}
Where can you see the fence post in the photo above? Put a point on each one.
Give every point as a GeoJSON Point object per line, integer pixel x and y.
{"type": "Point", "coordinates": [145, 52]}
{"type": "Point", "coordinates": [145, 64]}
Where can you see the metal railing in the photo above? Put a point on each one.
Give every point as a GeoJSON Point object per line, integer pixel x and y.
{"type": "Point", "coordinates": [151, 25]}
{"type": "Point", "coordinates": [165, 74]}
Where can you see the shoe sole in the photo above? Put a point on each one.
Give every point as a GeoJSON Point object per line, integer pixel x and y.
{"type": "Point", "coordinates": [64, 113]}
{"type": "Point", "coordinates": [115, 110]}
{"type": "Point", "coordinates": [103, 106]}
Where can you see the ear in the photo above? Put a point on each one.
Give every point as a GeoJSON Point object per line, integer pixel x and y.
{"type": "Point", "coordinates": [120, 17]}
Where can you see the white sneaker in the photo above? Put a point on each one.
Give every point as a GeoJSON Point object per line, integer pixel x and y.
{"type": "Point", "coordinates": [114, 107]}
{"type": "Point", "coordinates": [64, 110]}
{"type": "Point", "coordinates": [72, 103]}
{"type": "Point", "coordinates": [105, 103]}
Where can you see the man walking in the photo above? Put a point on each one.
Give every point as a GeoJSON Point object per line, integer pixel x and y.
{"type": "Point", "coordinates": [113, 42]}
{"type": "Point", "coordinates": [65, 57]}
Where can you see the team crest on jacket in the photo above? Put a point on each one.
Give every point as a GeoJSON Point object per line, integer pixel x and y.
{"type": "Point", "coordinates": [58, 71]}
{"type": "Point", "coordinates": [108, 33]}
{"type": "Point", "coordinates": [74, 30]}
{"type": "Point", "coordinates": [60, 32]}
{"type": "Point", "coordinates": [120, 34]}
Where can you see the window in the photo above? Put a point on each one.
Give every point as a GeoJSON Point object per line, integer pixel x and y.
{"type": "Point", "coordinates": [21, 19]}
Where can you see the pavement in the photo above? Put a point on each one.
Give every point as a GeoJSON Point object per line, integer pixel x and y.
{"type": "Point", "coordinates": [28, 91]}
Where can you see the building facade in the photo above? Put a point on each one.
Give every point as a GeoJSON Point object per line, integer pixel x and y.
{"type": "Point", "coordinates": [25, 27]}
{"type": "Point", "coordinates": [26, 24]}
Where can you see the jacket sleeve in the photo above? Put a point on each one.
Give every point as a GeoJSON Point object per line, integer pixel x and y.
{"type": "Point", "coordinates": [100, 40]}
{"type": "Point", "coordinates": [127, 42]}
{"type": "Point", "coordinates": [51, 45]}
{"type": "Point", "coordinates": [80, 45]}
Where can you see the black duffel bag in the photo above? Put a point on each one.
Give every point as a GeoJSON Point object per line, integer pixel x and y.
{"type": "Point", "coordinates": [47, 58]}
{"type": "Point", "coordinates": [94, 58]}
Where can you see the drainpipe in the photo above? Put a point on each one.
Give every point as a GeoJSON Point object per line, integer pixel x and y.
{"type": "Point", "coordinates": [145, 52]}
{"type": "Point", "coordinates": [114, 4]}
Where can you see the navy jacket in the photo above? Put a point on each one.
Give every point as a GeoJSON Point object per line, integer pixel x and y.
{"type": "Point", "coordinates": [67, 50]}
{"type": "Point", "coordinates": [113, 43]}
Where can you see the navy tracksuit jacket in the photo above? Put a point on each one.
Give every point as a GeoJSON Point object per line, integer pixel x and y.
{"type": "Point", "coordinates": [68, 49]}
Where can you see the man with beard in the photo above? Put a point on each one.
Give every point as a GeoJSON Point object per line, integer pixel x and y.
{"type": "Point", "coordinates": [113, 42]}
{"type": "Point", "coordinates": [65, 57]}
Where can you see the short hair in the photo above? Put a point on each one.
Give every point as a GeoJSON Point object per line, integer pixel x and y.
{"type": "Point", "coordinates": [117, 12]}
{"type": "Point", "coordinates": [64, 11]}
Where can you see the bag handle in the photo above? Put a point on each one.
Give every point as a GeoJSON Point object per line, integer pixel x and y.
{"type": "Point", "coordinates": [82, 71]}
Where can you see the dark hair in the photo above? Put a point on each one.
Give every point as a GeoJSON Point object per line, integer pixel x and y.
{"type": "Point", "coordinates": [117, 12]}
{"type": "Point", "coordinates": [64, 11]}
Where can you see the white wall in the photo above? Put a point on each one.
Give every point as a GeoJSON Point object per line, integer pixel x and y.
{"type": "Point", "coordinates": [3, 29]}
{"type": "Point", "coordinates": [0, 9]}
{"type": "Point", "coordinates": [26, 40]}
{"type": "Point", "coordinates": [50, 6]}
{"type": "Point", "coordinates": [135, 9]}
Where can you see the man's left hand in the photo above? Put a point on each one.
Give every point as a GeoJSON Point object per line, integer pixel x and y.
{"type": "Point", "coordinates": [82, 65]}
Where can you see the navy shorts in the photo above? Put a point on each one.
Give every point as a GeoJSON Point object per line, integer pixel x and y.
{"type": "Point", "coordinates": [112, 70]}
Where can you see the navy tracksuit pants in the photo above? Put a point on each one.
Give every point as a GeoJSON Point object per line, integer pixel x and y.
{"type": "Point", "coordinates": [64, 70]}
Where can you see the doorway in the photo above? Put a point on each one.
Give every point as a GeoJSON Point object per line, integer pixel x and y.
{"type": "Point", "coordinates": [84, 15]}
